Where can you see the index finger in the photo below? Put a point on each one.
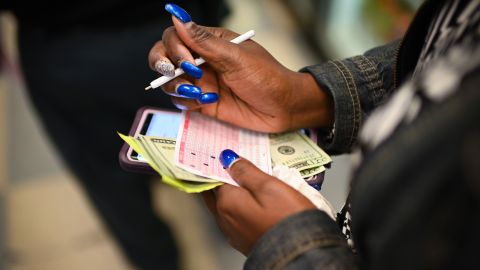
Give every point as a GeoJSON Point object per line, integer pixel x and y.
{"type": "Point", "coordinates": [158, 60]}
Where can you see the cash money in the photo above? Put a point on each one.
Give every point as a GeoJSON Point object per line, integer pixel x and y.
{"type": "Point", "coordinates": [151, 155]}
{"type": "Point", "coordinates": [296, 150]}
{"type": "Point", "coordinates": [167, 177]}
{"type": "Point", "coordinates": [306, 173]}
{"type": "Point", "coordinates": [163, 151]}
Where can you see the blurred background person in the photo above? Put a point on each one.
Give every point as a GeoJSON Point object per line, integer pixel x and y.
{"type": "Point", "coordinates": [84, 66]}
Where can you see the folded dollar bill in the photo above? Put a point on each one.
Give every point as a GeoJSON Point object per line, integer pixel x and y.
{"type": "Point", "coordinates": [167, 176]}
{"type": "Point", "coordinates": [295, 150]}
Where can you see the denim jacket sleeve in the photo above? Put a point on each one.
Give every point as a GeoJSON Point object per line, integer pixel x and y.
{"type": "Point", "coordinates": [357, 85]}
{"type": "Point", "coordinates": [307, 240]}
{"type": "Point", "coordinates": [311, 240]}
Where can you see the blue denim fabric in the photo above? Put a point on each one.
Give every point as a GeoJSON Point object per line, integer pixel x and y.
{"type": "Point", "coordinates": [301, 235]}
{"type": "Point", "coordinates": [357, 85]}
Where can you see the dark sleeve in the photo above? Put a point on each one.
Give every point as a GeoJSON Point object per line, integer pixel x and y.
{"type": "Point", "coordinates": [357, 85]}
{"type": "Point", "coordinates": [308, 240]}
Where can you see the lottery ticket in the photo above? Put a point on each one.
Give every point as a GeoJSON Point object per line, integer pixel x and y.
{"type": "Point", "coordinates": [201, 139]}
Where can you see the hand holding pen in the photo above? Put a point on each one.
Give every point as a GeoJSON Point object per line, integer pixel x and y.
{"type": "Point", "coordinates": [166, 68]}
{"type": "Point", "coordinates": [244, 85]}
{"type": "Point", "coordinates": [241, 84]}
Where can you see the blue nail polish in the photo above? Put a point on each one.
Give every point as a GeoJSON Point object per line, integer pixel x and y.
{"type": "Point", "coordinates": [189, 91]}
{"type": "Point", "coordinates": [227, 158]}
{"type": "Point", "coordinates": [178, 12]}
{"type": "Point", "coordinates": [191, 69]}
{"type": "Point", "coordinates": [208, 98]}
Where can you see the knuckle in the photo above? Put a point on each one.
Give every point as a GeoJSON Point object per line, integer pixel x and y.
{"type": "Point", "coordinates": [240, 169]}
{"type": "Point", "coordinates": [169, 87]}
{"type": "Point", "coordinates": [230, 60]}
{"type": "Point", "coordinates": [199, 33]}
{"type": "Point", "coordinates": [168, 32]}
{"type": "Point", "coordinates": [268, 187]}
{"type": "Point", "coordinates": [154, 51]}
{"type": "Point", "coordinates": [178, 59]}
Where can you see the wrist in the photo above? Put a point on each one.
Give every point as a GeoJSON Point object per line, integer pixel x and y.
{"type": "Point", "coordinates": [311, 106]}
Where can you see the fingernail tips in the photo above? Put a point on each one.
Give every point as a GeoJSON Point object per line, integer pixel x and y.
{"type": "Point", "coordinates": [207, 98]}
{"type": "Point", "coordinates": [178, 12]}
{"type": "Point", "coordinates": [189, 91]}
{"type": "Point", "coordinates": [165, 68]}
{"type": "Point", "coordinates": [191, 69]}
{"type": "Point", "coordinates": [227, 158]}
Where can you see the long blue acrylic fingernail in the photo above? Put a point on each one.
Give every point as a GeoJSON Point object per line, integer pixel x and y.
{"type": "Point", "coordinates": [227, 158]}
{"type": "Point", "coordinates": [189, 91]}
{"type": "Point", "coordinates": [191, 69]}
{"type": "Point", "coordinates": [178, 12]}
{"type": "Point", "coordinates": [207, 98]}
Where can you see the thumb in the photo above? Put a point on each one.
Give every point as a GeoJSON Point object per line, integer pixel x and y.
{"type": "Point", "coordinates": [213, 44]}
{"type": "Point", "coordinates": [245, 173]}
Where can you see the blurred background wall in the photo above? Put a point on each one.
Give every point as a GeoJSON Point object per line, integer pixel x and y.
{"type": "Point", "coordinates": [45, 221]}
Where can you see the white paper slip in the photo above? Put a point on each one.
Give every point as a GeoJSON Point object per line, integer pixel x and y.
{"type": "Point", "coordinates": [201, 139]}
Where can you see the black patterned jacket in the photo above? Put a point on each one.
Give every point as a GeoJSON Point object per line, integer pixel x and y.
{"type": "Point", "coordinates": [411, 111]}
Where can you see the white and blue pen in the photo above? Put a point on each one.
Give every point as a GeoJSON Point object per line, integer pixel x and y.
{"type": "Point", "coordinates": [164, 79]}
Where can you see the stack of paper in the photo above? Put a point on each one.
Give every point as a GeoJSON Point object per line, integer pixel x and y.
{"type": "Point", "coordinates": [190, 161]}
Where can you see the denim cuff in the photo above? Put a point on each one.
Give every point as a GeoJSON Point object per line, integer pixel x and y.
{"type": "Point", "coordinates": [336, 78]}
{"type": "Point", "coordinates": [292, 237]}
{"type": "Point", "coordinates": [357, 85]}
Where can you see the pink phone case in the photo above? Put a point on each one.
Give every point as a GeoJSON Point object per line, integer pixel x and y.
{"type": "Point", "coordinates": [125, 162]}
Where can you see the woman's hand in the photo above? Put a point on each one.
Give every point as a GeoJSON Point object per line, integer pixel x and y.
{"type": "Point", "coordinates": [240, 84]}
{"type": "Point", "coordinates": [245, 213]}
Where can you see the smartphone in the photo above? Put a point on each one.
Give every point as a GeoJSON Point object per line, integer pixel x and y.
{"type": "Point", "coordinates": [148, 121]}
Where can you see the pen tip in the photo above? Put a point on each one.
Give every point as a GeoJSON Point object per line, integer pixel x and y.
{"type": "Point", "coordinates": [148, 87]}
